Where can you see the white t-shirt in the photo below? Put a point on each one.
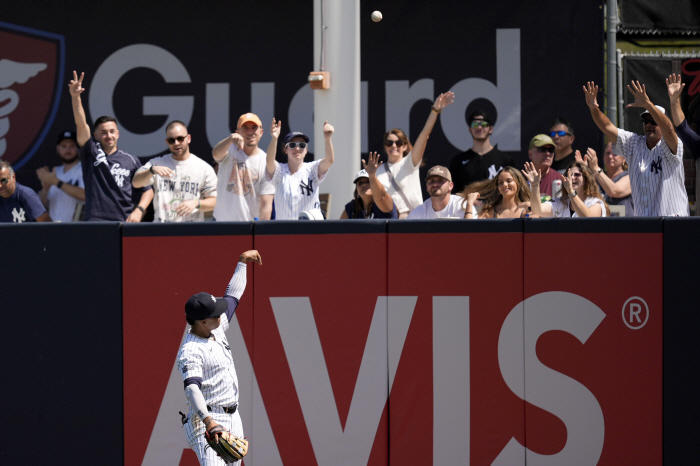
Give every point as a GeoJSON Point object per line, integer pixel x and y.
{"type": "Point", "coordinates": [194, 179]}
{"type": "Point", "coordinates": [242, 180]}
{"type": "Point", "coordinates": [407, 178]}
{"type": "Point", "coordinates": [295, 193]}
{"type": "Point", "coordinates": [454, 209]}
{"type": "Point", "coordinates": [61, 205]}
{"type": "Point", "coordinates": [560, 209]}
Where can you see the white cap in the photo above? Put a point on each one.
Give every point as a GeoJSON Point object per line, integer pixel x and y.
{"type": "Point", "coordinates": [646, 112]}
{"type": "Point", "coordinates": [361, 174]}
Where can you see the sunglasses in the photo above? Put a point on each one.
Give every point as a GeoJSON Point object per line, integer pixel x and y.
{"type": "Point", "coordinates": [484, 124]}
{"type": "Point", "coordinates": [5, 181]}
{"type": "Point", "coordinates": [645, 121]}
{"type": "Point", "coordinates": [398, 143]}
{"type": "Point", "coordinates": [293, 145]}
{"type": "Point", "coordinates": [561, 134]}
{"type": "Point", "coordinates": [576, 175]}
{"type": "Point", "coordinates": [545, 149]}
{"type": "Point", "coordinates": [178, 139]}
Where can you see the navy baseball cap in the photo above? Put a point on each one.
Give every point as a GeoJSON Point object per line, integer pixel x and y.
{"type": "Point", "coordinates": [202, 305]}
{"type": "Point", "coordinates": [295, 134]}
{"type": "Point", "coordinates": [68, 134]}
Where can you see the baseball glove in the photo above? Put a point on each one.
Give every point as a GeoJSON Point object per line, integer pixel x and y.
{"type": "Point", "coordinates": [229, 447]}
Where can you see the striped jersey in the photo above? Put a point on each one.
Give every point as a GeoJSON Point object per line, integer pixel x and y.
{"type": "Point", "coordinates": [211, 360]}
{"type": "Point", "coordinates": [657, 176]}
{"type": "Point", "coordinates": [297, 192]}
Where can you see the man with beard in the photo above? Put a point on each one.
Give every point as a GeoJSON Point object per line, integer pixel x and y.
{"type": "Point", "coordinates": [442, 203]}
{"type": "Point", "coordinates": [62, 189]}
{"type": "Point", "coordinates": [482, 161]}
{"type": "Point", "coordinates": [184, 184]}
{"type": "Point", "coordinates": [243, 191]}
{"type": "Point", "coordinates": [655, 160]}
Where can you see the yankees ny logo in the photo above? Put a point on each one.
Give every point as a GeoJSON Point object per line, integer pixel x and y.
{"type": "Point", "coordinates": [493, 171]}
{"type": "Point", "coordinates": [656, 166]}
{"type": "Point", "coordinates": [18, 217]}
{"type": "Point", "coordinates": [308, 187]}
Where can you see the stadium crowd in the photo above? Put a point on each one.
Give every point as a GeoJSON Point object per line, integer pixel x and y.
{"type": "Point", "coordinates": [642, 175]}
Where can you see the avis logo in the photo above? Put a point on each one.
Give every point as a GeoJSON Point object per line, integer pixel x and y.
{"type": "Point", "coordinates": [31, 78]}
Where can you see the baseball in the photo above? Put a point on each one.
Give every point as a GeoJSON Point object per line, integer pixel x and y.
{"type": "Point", "coordinates": [376, 16]}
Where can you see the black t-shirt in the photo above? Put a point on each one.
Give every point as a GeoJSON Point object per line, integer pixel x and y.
{"type": "Point", "coordinates": [563, 164]}
{"type": "Point", "coordinates": [469, 167]}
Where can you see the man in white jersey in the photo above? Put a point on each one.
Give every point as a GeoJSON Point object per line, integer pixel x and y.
{"type": "Point", "coordinates": [243, 191]}
{"type": "Point", "coordinates": [206, 364]}
{"type": "Point", "coordinates": [297, 182]}
{"type": "Point", "coordinates": [442, 203]}
{"type": "Point", "coordinates": [62, 188]}
{"type": "Point", "coordinates": [184, 184]}
{"type": "Point", "coordinates": [655, 160]}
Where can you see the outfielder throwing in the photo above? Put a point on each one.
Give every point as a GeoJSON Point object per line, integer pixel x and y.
{"type": "Point", "coordinates": [206, 365]}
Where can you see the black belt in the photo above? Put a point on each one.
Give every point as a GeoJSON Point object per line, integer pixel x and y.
{"type": "Point", "coordinates": [230, 410]}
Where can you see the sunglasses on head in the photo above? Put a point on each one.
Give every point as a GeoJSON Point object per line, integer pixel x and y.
{"type": "Point", "coordinates": [178, 139]}
{"type": "Point", "coordinates": [649, 120]}
{"type": "Point", "coordinates": [398, 143]}
{"type": "Point", "coordinates": [293, 145]}
{"type": "Point", "coordinates": [546, 149]}
{"type": "Point", "coordinates": [476, 123]}
{"type": "Point", "coordinates": [561, 134]}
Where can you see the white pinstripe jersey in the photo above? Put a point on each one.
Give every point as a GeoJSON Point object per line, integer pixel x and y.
{"type": "Point", "coordinates": [295, 193]}
{"type": "Point", "coordinates": [657, 176]}
{"type": "Point", "coordinates": [212, 361]}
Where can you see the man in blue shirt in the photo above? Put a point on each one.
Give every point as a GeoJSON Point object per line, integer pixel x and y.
{"type": "Point", "coordinates": [18, 203]}
{"type": "Point", "coordinates": [107, 171]}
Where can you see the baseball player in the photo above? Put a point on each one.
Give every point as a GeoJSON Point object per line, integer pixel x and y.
{"type": "Point", "coordinates": [206, 364]}
{"type": "Point", "coordinates": [296, 182]}
{"type": "Point", "coordinates": [655, 160]}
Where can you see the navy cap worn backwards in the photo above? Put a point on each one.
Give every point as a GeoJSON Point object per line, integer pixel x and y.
{"type": "Point", "coordinates": [203, 305]}
{"type": "Point", "coordinates": [295, 134]}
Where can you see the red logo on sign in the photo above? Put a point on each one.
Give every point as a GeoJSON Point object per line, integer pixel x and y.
{"type": "Point", "coordinates": [31, 77]}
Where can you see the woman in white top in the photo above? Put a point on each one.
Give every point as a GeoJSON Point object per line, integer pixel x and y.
{"type": "Point", "coordinates": [580, 196]}
{"type": "Point", "coordinates": [297, 182]}
{"type": "Point", "coordinates": [506, 195]}
{"type": "Point", "coordinates": [400, 175]}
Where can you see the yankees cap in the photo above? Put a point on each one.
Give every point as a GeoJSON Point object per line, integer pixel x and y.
{"type": "Point", "coordinates": [68, 134]}
{"type": "Point", "coordinates": [203, 305]}
{"type": "Point", "coordinates": [295, 134]}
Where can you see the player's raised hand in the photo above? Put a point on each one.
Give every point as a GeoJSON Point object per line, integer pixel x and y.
{"type": "Point", "coordinates": [443, 100]}
{"type": "Point", "coordinates": [75, 85]}
{"type": "Point", "coordinates": [590, 90]}
{"type": "Point", "coordinates": [533, 175]}
{"type": "Point", "coordinates": [237, 140]}
{"type": "Point", "coordinates": [639, 91]}
{"type": "Point", "coordinates": [674, 85]}
{"type": "Point", "coordinates": [372, 164]}
{"type": "Point", "coordinates": [275, 128]}
{"type": "Point", "coordinates": [251, 256]}
{"type": "Point", "coordinates": [328, 129]}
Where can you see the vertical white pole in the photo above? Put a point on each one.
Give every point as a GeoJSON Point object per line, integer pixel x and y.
{"type": "Point", "coordinates": [340, 104]}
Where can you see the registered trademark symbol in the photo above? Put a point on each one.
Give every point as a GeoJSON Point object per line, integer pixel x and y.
{"type": "Point", "coordinates": [635, 313]}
